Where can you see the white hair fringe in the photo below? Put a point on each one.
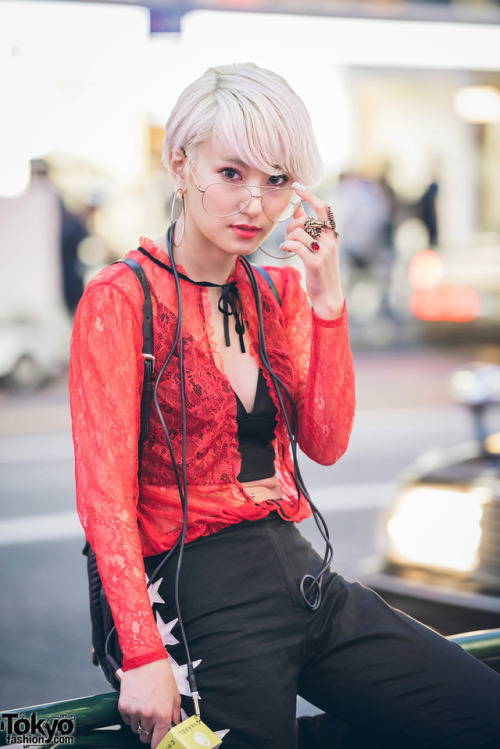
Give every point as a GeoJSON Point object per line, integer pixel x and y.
{"type": "Point", "coordinates": [255, 113]}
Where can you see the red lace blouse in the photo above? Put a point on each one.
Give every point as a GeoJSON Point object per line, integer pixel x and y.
{"type": "Point", "coordinates": [124, 522]}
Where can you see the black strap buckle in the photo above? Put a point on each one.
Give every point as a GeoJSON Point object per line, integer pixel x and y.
{"type": "Point", "coordinates": [152, 359]}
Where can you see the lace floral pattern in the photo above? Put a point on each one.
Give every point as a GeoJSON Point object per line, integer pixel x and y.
{"type": "Point", "coordinates": [312, 358]}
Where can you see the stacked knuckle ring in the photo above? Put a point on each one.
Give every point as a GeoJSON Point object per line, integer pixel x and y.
{"type": "Point", "coordinates": [313, 246]}
{"type": "Point", "coordinates": [331, 221]}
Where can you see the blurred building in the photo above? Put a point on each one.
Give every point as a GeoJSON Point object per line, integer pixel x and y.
{"type": "Point", "coordinates": [409, 90]}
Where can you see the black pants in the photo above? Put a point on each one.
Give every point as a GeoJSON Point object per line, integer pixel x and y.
{"type": "Point", "coordinates": [381, 678]}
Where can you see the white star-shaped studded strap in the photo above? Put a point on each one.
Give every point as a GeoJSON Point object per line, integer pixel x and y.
{"type": "Point", "coordinates": [180, 675]}
{"type": "Point", "coordinates": [165, 630]}
{"type": "Point", "coordinates": [154, 596]}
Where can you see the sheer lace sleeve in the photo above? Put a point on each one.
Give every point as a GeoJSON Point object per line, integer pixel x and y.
{"type": "Point", "coordinates": [106, 372]}
{"type": "Point", "coordinates": [325, 394]}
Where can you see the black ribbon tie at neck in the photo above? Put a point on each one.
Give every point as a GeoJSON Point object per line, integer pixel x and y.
{"type": "Point", "coordinates": [230, 304]}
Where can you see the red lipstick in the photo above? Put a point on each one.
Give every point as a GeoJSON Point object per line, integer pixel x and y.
{"type": "Point", "coordinates": [245, 231]}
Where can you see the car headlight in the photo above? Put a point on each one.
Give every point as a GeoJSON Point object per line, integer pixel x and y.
{"type": "Point", "coordinates": [437, 527]}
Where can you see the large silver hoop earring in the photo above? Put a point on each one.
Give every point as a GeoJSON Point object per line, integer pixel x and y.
{"type": "Point", "coordinates": [283, 256]}
{"type": "Point", "coordinates": [182, 215]}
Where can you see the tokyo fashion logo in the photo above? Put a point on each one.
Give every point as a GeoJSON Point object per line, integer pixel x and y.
{"type": "Point", "coordinates": [27, 729]}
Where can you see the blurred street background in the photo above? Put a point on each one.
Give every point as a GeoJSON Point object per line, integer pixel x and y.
{"type": "Point", "coordinates": [405, 101]}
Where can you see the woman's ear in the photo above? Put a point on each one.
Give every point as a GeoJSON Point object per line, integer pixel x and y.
{"type": "Point", "coordinates": [177, 166]}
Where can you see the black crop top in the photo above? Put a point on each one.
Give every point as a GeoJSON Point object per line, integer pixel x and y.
{"type": "Point", "coordinates": [256, 433]}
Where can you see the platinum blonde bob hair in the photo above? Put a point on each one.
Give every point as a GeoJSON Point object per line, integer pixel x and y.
{"type": "Point", "coordinates": [254, 113]}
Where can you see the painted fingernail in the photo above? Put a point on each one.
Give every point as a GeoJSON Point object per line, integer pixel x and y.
{"type": "Point", "coordinates": [298, 186]}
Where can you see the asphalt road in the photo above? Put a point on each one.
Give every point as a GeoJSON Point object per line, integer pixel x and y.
{"type": "Point", "coordinates": [403, 408]}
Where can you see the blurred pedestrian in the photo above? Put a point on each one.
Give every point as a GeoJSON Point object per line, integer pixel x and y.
{"type": "Point", "coordinates": [71, 230]}
{"type": "Point", "coordinates": [427, 212]}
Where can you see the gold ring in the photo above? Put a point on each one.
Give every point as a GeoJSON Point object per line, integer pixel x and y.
{"type": "Point", "coordinates": [313, 227]}
{"type": "Point", "coordinates": [313, 246]}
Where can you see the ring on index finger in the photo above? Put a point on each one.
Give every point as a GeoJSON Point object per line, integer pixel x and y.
{"type": "Point", "coordinates": [313, 227]}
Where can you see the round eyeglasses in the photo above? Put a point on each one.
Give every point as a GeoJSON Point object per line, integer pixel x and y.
{"type": "Point", "coordinates": [223, 199]}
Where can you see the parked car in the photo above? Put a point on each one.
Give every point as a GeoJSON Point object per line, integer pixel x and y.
{"type": "Point", "coordinates": [440, 557]}
{"type": "Point", "coordinates": [456, 289]}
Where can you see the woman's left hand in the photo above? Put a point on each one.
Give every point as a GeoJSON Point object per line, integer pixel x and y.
{"type": "Point", "coordinates": [322, 271]}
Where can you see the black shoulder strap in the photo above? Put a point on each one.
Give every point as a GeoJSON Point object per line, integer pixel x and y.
{"type": "Point", "coordinates": [147, 351]}
{"type": "Point", "coordinates": [267, 278]}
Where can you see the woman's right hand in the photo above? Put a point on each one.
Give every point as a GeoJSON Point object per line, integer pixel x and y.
{"type": "Point", "coordinates": [149, 697]}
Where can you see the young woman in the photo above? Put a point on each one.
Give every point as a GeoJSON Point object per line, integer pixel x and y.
{"type": "Point", "coordinates": [263, 619]}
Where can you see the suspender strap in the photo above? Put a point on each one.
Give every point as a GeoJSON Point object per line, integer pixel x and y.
{"type": "Point", "coordinates": [267, 278]}
{"type": "Point", "coordinates": [147, 351]}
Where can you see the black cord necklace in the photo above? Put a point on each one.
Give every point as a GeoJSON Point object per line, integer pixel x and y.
{"type": "Point", "coordinates": [229, 301]}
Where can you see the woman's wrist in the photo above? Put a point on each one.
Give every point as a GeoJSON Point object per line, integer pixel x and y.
{"type": "Point", "coordinates": [131, 662]}
{"type": "Point", "coordinates": [329, 309]}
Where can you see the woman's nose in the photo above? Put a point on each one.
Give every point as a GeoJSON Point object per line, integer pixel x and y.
{"type": "Point", "coordinates": [254, 206]}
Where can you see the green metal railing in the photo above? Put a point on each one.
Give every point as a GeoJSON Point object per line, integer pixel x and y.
{"type": "Point", "coordinates": [98, 724]}
{"type": "Point", "coordinates": [484, 645]}
{"type": "Point", "coordinates": [89, 714]}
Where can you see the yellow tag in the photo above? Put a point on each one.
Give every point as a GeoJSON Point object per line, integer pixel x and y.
{"type": "Point", "coordinates": [190, 734]}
